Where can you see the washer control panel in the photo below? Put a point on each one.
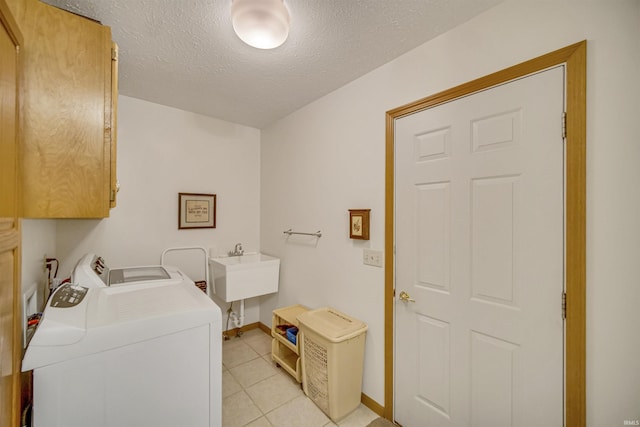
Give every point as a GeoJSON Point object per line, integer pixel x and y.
{"type": "Point", "coordinates": [69, 295]}
{"type": "Point", "coordinates": [90, 271]}
{"type": "Point", "coordinates": [100, 268]}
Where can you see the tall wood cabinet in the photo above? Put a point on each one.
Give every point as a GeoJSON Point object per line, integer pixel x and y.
{"type": "Point", "coordinates": [10, 327]}
{"type": "Point", "coordinates": [68, 147]}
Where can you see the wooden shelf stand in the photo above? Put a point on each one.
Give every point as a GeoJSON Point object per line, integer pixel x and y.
{"type": "Point", "coordinates": [285, 353]}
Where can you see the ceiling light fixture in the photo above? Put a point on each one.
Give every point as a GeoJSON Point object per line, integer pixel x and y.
{"type": "Point", "coordinates": [260, 23]}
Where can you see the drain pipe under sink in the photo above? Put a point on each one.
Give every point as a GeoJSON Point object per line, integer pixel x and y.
{"type": "Point", "coordinates": [237, 319]}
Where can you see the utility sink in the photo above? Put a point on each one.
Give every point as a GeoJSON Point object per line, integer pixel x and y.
{"type": "Point", "coordinates": [246, 276]}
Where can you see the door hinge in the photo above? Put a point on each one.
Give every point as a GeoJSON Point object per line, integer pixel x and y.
{"type": "Point", "coordinates": [564, 125]}
{"type": "Point", "coordinates": [564, 305]}
{"type": "Point", "coordinates": [114, 54]}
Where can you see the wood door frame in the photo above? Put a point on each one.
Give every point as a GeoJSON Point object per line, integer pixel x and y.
{"type": "Point", "coordinates": [10, 228]}
{"type": "Point", "coordinates": [574, 57]}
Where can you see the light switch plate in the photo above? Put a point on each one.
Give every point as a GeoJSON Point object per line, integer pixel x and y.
{"type": "Point", "coordinates": [372, 257]}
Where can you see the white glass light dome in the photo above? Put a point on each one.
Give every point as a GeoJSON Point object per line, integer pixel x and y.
{"type": "Point", "coordinates": [263, 24]}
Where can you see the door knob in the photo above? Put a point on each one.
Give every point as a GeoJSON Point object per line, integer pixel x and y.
{"type": "Point", "coordinates": [405, 297]}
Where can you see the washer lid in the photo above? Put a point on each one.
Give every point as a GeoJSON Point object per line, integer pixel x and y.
{"type": "Point", "coordinates": [331, 324]}
{"type": "Point", "coordinates": [137, 274]}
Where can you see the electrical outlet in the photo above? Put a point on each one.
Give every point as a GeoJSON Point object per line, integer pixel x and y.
{"type": "Point", "coordinates": [371, 257]}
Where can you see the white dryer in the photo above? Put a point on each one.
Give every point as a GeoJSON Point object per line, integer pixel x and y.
{"type": "Point", "coordinates": [120, 356]}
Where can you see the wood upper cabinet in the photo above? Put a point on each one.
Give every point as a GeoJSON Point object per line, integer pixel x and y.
{"type": "Point", "coordinates": [69, 136]}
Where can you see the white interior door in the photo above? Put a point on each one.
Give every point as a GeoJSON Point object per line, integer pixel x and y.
{"type": "Point", "coordinates": [480, 248]}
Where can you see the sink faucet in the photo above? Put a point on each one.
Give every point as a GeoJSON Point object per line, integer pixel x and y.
{"type": "Point", "coordinates": [237, 251]}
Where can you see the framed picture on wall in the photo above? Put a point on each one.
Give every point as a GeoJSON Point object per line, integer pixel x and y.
{"type": "Point", "coordinates": [196, 210]}
{"type": "Point", "coordinates": [359, 224]}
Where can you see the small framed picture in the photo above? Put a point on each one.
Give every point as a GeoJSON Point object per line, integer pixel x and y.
{"type": "Point", "coordinates": [196, 210]}
{"type": "Point", "coordinates": [359, 224]}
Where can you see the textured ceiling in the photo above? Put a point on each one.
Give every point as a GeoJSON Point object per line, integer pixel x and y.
{"type": "Point", "coordinates": [184, 54]}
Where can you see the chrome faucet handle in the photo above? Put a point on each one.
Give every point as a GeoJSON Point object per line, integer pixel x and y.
{"type": "Point", "coordinates": [238, 249]}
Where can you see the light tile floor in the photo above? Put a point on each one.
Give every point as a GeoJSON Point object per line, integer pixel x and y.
{"type": "Point", "coordinates": [256, 393]}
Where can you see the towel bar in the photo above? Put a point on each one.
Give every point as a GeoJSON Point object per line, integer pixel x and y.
{"type": "Point", "coordinates": [289, 233]}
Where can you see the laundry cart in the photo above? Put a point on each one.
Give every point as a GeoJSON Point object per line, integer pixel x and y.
{"type": "Point", "coordinates": [332, 360]}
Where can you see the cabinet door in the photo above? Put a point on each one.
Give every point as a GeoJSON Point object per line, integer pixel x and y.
{"type": "Point", "coordinates": [10, 326]}
{"type": "Point", "coordinates": [66, 150]}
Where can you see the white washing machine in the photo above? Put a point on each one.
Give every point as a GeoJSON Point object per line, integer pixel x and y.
{"type": "Point", "coordinates": [148, 354]}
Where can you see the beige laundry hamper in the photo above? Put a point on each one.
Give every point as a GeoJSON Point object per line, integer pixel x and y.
{"type": "Point", "coordinates": [332, 347]}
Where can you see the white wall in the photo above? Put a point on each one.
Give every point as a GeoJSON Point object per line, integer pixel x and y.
{"type": "Point", "coordinates": [329, 157]}
{"type": "Point", "coordinates": [38, 243]}
{"type": "Point", "coordinates": [163, 151]}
